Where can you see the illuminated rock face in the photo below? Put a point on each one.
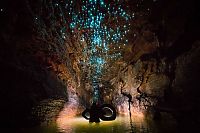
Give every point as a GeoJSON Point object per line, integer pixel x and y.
{"type": "Point", "coordinates": [162, 56]}
{"type": "Point", "coordinates": [36, 63]}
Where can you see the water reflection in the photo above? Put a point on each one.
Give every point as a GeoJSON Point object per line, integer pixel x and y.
{"type": "Point", "coordinates": [122, 124]}
{"type": "Point", "coordinates": [80, 125]}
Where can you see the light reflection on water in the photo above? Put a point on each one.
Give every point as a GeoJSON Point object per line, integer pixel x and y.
{"type": "Point", "coordinates": [80, 125]}
{"type": "Point", "coordinates": [120, 125]}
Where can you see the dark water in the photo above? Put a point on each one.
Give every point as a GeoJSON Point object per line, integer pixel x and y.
{"type": "Point", "coordinates": [122, 124]}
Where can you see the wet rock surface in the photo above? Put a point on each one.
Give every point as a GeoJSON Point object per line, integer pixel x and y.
{"type": "Point", "coordinates": [36, 63]}
{"type": "Point", "coordinates": [163, 63]}
{"type": "Point", "coordinates": [46, 111]}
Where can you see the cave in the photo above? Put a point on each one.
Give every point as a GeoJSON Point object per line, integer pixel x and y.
{"type": "Point", "coordinates": [138, 59]}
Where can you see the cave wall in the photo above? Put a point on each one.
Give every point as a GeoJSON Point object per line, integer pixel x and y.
{"type": "Point", "coordinates": [162, 60]}
{"type": "Point", "coordinates": [37, 62]}
{"type": "Point", "coordinates": [179, 35]}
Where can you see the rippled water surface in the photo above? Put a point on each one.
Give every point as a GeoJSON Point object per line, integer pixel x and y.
{"type": "Point", "coordinates": [120, 125]}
